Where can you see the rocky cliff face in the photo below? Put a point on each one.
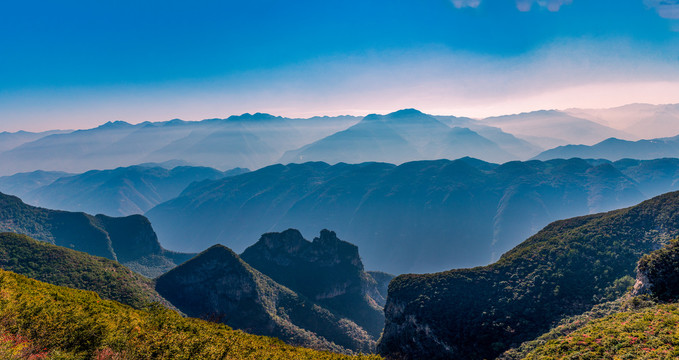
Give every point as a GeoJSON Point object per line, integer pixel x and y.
{"type": "Point", "coordinates": [217, 285]}
{"type": "Point", "coordinates": [327, 270]}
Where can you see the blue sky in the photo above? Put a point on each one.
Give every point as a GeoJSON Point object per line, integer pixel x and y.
{"type": "Point", "coordinates": [70, 64]}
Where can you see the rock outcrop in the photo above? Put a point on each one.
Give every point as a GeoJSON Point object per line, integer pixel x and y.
{"type": "Point", "coordinates": [327, 270]}
{"type": "Point", "coordinates": [217, 285]}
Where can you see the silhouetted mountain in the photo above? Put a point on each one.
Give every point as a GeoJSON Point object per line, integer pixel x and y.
{"type": "Point", "coordinates": [398, 137]}
{"type": "Point", "coordinates": [23, 183]}
{"type": "Point", "coordinates": [508, 142]}
{"type": "Point", "coordinates": [416, 217]}
{"type": "Point", "coordinates": [218, 285]}
{"type": "Point", "coordinates": [644, 121]}
{"type": "Point", "coordinates": [328, 271]}
{"type": "Point", "coordinates": [64, 267]}
{"type": "Point", "coordinates": [64, 152]}
{"type": "Point", "coordinates": [121, 191]}
{"type": "Point", "coordinates": [239, 141]}
{"type": "Point", "coordinates": [550, 128]}
{"type": "Point", "coordinates": [616, 149]}
{"type": "Point", "coordinates": [10, 140]}
{"type": "Point", "coordinates": [129, 240]}
{"type": "Point", "coordinates": [563, 270]}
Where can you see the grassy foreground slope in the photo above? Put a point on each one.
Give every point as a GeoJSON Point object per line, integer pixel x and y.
{"type": "Point", "coordinates": [643, 328]}
{"type": "Point", "coordinates": [650, 333]}
{"type": "Point", "coordinates": [61, 323]}
{"type": "Point", "coordinates": [65, 267]}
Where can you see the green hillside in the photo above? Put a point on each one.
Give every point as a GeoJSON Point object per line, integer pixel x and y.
{"type": "Point", "coordinates": [218, 285]}
{"type": "Point", "coordinates": [42, 321]}
{"type": "Point", "coordinates": [129, 240]}
{"type": "Point", "coordinates": [64, 267]}
{"type": "Point", "coordinates": [637, 327]}
{"type": "Point", "coordinates": [649, 333]}
{"type": "Point", "coordinates": [563, 270]}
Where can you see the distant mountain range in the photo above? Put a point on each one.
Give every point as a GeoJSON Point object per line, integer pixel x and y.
{"type": "Point", "coordinates": [10, 140]}
{"type": "Point", "coordinates": [257, 140]}
{"type": "Point", "coordinates": [417, 217]}
{"type": "Point", "coordinates": [644, 121]}
{"type": "Point", "coordinates": [247, 140]}
{"type": "Point", "coordinates": [117, 192]}
{"type": "Point", "coordinates": [616, 149]}
{"type": "Point", "coordinates": [550, 128]}
{"type": "Point", "coordinates": [399, 137]}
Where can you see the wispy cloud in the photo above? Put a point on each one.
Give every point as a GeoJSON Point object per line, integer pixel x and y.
{"type": "Point", "coordinates": [551, 5]}
{"type": "Point", "coordinates": [466, 3]}
{"type": "Point", "coordinates": [668, 9]}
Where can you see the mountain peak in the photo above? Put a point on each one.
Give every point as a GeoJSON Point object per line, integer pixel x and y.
{"type": "Point", "coordinates": [407, 113]}
{"type": "Point", "coordinates": [118, 124]}
{"type": "Point", "coordinates": [289, 241]}
{"type": "Point", "coordinates": [252, 117]}
{"type": "Point", "coordinates": [219, 284]}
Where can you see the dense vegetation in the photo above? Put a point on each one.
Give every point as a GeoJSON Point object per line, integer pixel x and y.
{"type": "Point", "coordinates": [658, 273]}
{"type": "Point", "coordinates": [129, 240]}
{"type": "Point", "coordinates": [64, 267]}
{"type": "Point", "coordinates": [634, 327]}
{"type": "Point", "coordinates": [326, 270]}
{"type": "Point", "coordinates": [649, 333]}
{"type": "Point", "coordinates": [220, 286]}
{"type": "Point", "coordinates": [573, 323]}
{"type": "Point", "coordinates": [564, 270]}
{"type": "Point", "coordinates": [42, 321]}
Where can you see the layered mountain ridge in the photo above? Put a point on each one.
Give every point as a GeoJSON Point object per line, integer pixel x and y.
{"type": "Point", "coordinates": [117, 192]}
{"type": "Point", "coordinates": [463, 213]}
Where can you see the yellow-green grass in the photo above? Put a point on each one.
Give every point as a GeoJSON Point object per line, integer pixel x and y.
{"type": "Point", "coordinates": [54, 322]}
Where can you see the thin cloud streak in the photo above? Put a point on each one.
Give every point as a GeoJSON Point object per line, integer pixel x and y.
{"type": "Point", "coordinates": [668, 9]}
{"type": "Point", "coordinates": [466, 3]}
{"type": "Point", "coordinates": [551, 5]}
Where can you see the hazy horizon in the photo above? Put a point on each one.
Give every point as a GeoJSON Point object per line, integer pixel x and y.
{"type": "Point", "coordinates": [77, 64]}
{"type": "Point", "coordinates": [93, 124]}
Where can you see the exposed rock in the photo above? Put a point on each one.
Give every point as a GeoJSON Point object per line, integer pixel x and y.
{"type": "Point", "coordinates": [326, 270]}
{"type": "Point", "coordinates": [217, 285]}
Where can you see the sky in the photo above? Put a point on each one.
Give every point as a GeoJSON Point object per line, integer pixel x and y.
{"type": "Point", "coordinates": [77, 64]}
